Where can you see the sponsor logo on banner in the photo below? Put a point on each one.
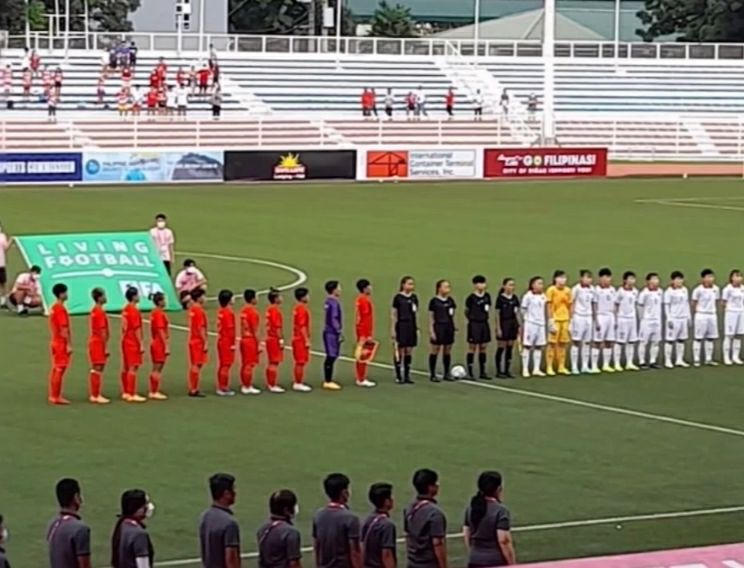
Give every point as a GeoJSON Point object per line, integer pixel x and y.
{"type": "Point", "coordinates": [41, 167]}
{"type": "Point", "coordinates": [383, 165]}
{"type": "Point", "coordinates": [421, 164]}
{"type": "Point", "coordinates": [545, 162]}
{"type": "Point", "coordinates": [139, 167]}
{"type": "Point", "coordinates": [290, 167]}
{"type": "Point", "coordinates": [112, 261]}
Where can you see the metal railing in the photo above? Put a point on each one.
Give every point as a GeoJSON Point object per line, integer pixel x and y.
{"type": "Point", "coordinates": [425, 47]}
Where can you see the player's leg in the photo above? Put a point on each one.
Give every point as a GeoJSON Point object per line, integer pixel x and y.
{"type": "Point", "coordinates": [621, 342]}
{"type": "Point", "coordinates": [447, 360]}
{"type": "Point", "coordinates": [538, 344]}
{"type": "Point", "coordinates": [698, 339]}
{"type": "Point", "coordinates": [711, 337]}
{"type": "Point", "coordinates": [433, 355]}
{"type": "Point", "coordinates": [551, 350]}
{"type": "Point", "coordinates": [527, 342]}
{"type": "Point", "coordinates": [671, 338]}
{"type": "Point", "coordinates": [482, 361]}
{"type": "Point", "coordinates": [132, 384]}
{"type": "Point", "coordinates": [736, 341]}
{"type": "Point", "coordinates": [596, 347]}
{"type": "Point", "coordinates": [654, 346]}
{"type": "Point", "coordinates": [332, 343]}
{"type": "Point", "coordinates": [729, 331]}
{"type": "Point", "coordinates": [608, 336]}
{"type": "Point", "coordinates": [630, 347]}
{"type": "Point", "coordinates": [155, 381]}
{"type": "Point", "coordinates": [682, 337]}
{"type": "Point", "coordinates": [564, 340]}
{"type": "Point", "coordinates": [470, 357]}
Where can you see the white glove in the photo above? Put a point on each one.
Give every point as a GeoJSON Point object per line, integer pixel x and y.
{"type": "Point", "coordinates": [552, 328]}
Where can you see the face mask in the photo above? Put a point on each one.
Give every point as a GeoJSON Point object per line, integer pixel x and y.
{"type": "Point", "coordinates": [160, 224]}
{"type": "Point", "coordinates": [296, 511]}
{"type": "Point", "coordinates": [150, 510]}
{"type": "Point", "coordinates": [4, 535]}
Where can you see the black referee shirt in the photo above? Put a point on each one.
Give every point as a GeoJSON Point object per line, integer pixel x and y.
{"type": "Point", "coordinates": [443, 309]}
{"type": "Point", "coordinates": [406, 307]}
{"type": "Point", "coordinates": [477, 306]}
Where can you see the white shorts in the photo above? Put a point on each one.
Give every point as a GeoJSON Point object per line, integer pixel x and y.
{"type": "Point", "coordinates": [677, 330]}
{"type": "Point", "coordinates": [581, 329]}
{"type": "Point", "coordinates": [534, 335]}
{"type": "Point", "coordinates": [605, 328]}
{"type": "Point", "coordinates": [627, 330]}
{"type": "Point", "coordinates": [650, 331]}
{"type": "Point", "coordinates": [733, 323]}
{"type": "Point", "coordinates": [706, 326]}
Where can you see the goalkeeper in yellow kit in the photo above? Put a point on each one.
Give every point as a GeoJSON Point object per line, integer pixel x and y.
{"type": "Point", "coordinates": [559, 316]}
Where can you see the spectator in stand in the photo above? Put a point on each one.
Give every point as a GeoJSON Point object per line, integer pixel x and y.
{"type": "Point", "coordinates": [152, 101]}
{"type": "Point", "coordinates": [154, 80]}
{"type": "Point", "coordinates": [27, 80]}
{"type": "Point", "coordinates": [138, 97]}
{"type": "Point", "coordinates": [7, 81]}
{"type": "Point", "coordinates": [126, 76]}
{"type": "Point", "coordinates": [122, 54]}
{"type": "Point", "coordinates": [389, 103]}
{"type": "Point", "coordinates": [133, 49]}
{"type": "Point", "coordinates": [100, 91]}
{"type": "Point", "coordinates": [504, 102]}
{"type": "Point", "coordinates": [123, 102]}
{"type": "Point", "coordinates": [193, 79]}
{"type": "Point", "coordinates": [213, 61]}
{"type": "Point", "coordinates": [162, 70]}
{"type": "Point", "coordinates": [366, 103]}
{"type": "Point", "coordinates": [532, 106]}
{"type": "Point", "coordinates": [48, 80]}
{"type": "Point", "coordinates": [58, 78]}
{"type": "Point", "coordinates": [52, 106]}
{"type": "Point", "coordinates": [216, 102]}
{"type": "Point", "coordinates": [182, 100]}
{"type": "Point", "coordinates": [170, 101]}
{"type": "Point", "coordinates": [203, 80]}
{"type": "Point", "coordinates": [216, 74]}
{"type": "Point", "coordinates": [421, 103]}
{"type": "Point", "coordinates": [162, 101]}
{"type": "Point", "coordinates": [35, 63]}
{"type": "Point", "coordinates": [112, 59]}
{"type": "Point", "coordinates": [449, 102]}
{"type": "Point", "coordinates": [373, 102]}
{"type": "Point", "coordinates": [478, 105]}
{"type": "Point", "coordinates": [181, 77]}
{"type": "Point", "coordinates": [26, 61]}
{"type": "Point", "coordinates": [410, 104]}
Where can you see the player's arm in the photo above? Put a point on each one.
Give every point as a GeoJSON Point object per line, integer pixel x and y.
{"type": "Point", "coordinates": [466, 536]}
{"type": "Point", "coordinates": [163, 336]}
{"type": "Point", "coordinates": [172, 247]}
{"type": "Point", "coordinates": [232, 557]}
{"type": "Point", "coordinates": [81, 542]}
{"type": "Point", "coordinates": [306, 332]}
{"type": "Point", "coordinates": [440, 551]}
{"type": "Point", "coordinates": [355, 553]}
{"type": "Point", "coordinates": [432, 333]}
{"type": "Point", "coordinates": [203, 332]}
{"type": "Point", "coordinates": [549, 304]}
{"type": "Point", "coordinates": [232, 546]}
{"type": "Point", "coordinates": [506, 544]}
{"type": "Point", "coordinates": [393, 322]}
{"type": "Point", "coordinates": [694, 301]}
{"type": "Point", "coordinates": [497, 321]}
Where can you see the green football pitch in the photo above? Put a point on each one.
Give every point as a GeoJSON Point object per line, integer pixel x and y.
{"type": "Point", "coordinates": [593, 465]}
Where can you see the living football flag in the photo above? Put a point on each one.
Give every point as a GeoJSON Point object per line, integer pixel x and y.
{"type": "Point", "coordinates": [112, 261]}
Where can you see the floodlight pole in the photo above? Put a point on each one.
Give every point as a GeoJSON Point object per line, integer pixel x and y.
{"type": "Point", "coordinates": [476, 25]}
{"type": "Point", "coordinates": [339, 19]}
{"type": "Point", "coordinates": [202, 17]}
{"type": "Point", "coordinates": [617, 29]}
{"type": "Point", "coordinates": [548, 133]}
{"type": "Point", "coordinates": [28, 25]}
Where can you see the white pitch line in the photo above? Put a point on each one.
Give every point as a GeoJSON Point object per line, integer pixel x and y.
{"type": "Point", "coordinates": [673, 203]}
{"type": "Point", "coordinates": [538, 527]}
{"type": "Point", "coordinates": [701, 198]}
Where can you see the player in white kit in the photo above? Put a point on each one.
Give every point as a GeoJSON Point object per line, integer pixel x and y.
{"type": "Point", "coordinates": [678, 316]}
{"type": "Point", "coordinates": [705, 298]}
{"type": "Point", "coordinates": [733, 319]}
{"type": "Point", "coordinates": [164, 240]}
{"type": "Point", "coordinates": [534, 336]}
{"type": "Point", "coordinates": [650, 302]}
{"type": "Point", "coordinates": [582, 322]}
{"type": "Point", "coordinates": [605, 322]}
{"type": "Point", "coordinates": [627, 323]}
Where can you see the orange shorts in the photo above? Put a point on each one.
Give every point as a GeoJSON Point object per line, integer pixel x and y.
{"type": "Point", "coordinates": [60, 356]}
{"type": "Point", "coordinates": [249, 351]}
{"type": "Point", "coordinates": [274, 351]}
{"type": "Point", "coordinates": [226, 352]}
{"type": "Point", "coordinates": [158, 353]}
{"type": "Point", "coordinates": [300, 352]}
{"type": "Point", "coordinates": [97, 352]}
{"type": "Point", "coordinates": [131, 357]}
{"type": "Point", "coordinates": [197, 353]}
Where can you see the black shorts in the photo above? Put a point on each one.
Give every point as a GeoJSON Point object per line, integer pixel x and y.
{"type": "Point", "coordinates": [509, 330]}
{"type": "Point", "coordinates": [479, 332]}
{"type": "Point", "coordinates": [3, 276]}
{"type": "Point", "coordinates": [167, 264]}
{"type": "Point", "coordinates": [406, 334]}
{"type": "Point", "coordinates": [444, 333]}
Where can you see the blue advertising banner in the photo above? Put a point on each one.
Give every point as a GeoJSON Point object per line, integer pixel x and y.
{"type": "Point", "coordinates": [27, 167]}
{"type": "Point", "coordinates": [149, 166]}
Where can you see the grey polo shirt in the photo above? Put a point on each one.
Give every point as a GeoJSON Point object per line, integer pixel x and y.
{"type": "Point", "coordinates": [484, 545]}
{"type": "Point", "coordinates": [3, 559]}
{"type": "Point", "coordinates": [378, 534]}
{"type": "Point", "coordinates": [334, 527]}
{"type": "Point", "coordinates": [69, 539]}
{"type": "Point", "coordinates": [218, 531]}
{"type": "Point", "coordinates": [423, 521]}
{"type": "Point", "coordinates": [134, 543]}
{"type": "Point", "coordinates": [279, 543]}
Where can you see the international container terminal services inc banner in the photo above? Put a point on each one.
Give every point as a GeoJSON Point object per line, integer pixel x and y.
{"type": "Point", "coordinates": [112, 261]}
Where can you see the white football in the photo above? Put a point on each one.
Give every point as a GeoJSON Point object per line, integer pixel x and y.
{"type": "Point", "coordinates": [459, 372]}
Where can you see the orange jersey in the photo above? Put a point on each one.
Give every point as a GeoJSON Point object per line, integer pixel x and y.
{"type": "Point", "coordinates": [159, 324]}
{"type": "Point", "coordinates": [300, 322]}
{"type": "Point", "coordinates": [59, 323]}
{"type": "Point", "coordinates": [99, 324]}
{"type": "Point", "coordinates": [131, 324]}
{"type": "Point", "coordinates": [197, 322]}
{"type": "Point", "coordinates": [226, 327]}
{"type": "Point", "coordinates": [364, 316]}
{"type": "Point", "coordinates": [274, 322]}
{"type": "Point", "coordinates": [249, 322]}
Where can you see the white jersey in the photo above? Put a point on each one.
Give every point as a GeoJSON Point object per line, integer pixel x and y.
{"type": "Point", "coordinates": [28, 282]}
{"type": "Point", "coordinates": [4, 242]}
{"type": "Point", "coordinates": [604, 298]}
{"type": "Point", "coordinates": [164, 240]}
{"type": "Point", "coordinates": [625, 300]}
{"type": "Point", "coordinates": [582, 299]}
{"type": "Point", "coordinates": [706, 299]}
{"type": "Point", "coordinates": [389, 100]}
{"type": "Point", "coordinates": [677, 303]}
{"type": "Point", "coordinates": [533, 307]}
{"type": "Point", "coordinates": [138, 96]}
{"type": "Point", "coordinates": [170, 99]}
{"type": "Point", "coordinates": [650, 302]}
{"type": "Point", "coordinates": [188, 278]}
{"type": "Point", "coordinates": [734, 298]}
{"type": "Point", "coordinates": [182, 96]}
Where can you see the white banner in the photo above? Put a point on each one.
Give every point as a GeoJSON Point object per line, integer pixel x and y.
{"type": "Point", "coordinates": [401, 163]}
{"type": "Point", "coordinates": [434, 164]}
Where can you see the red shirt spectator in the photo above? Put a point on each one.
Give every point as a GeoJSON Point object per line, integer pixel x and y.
{"type": "Point", "coordinates": [58, 76]}
{"type": "Point", "coordinates": [204, 77]}
{"type": "Point", "coordinates": [449, 99]}
{"type": "Point", "coordinates": [181, 77]}
{"type": "Point", "coordinates": [152, 98]}
{"type": "Point", "coordinates": [366, 100]}
{"type": "Point", "coordinates": [35, 62]}
{"type": "Point", "coordinates": [126, 74]}
{"type": "Point", "coordinates": [162, 69]}
{"type": "Point", "coordinates": [27, 78]}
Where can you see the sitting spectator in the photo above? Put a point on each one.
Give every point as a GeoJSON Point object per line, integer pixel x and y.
{"type": "Point", "coordinates": [152, 101]}
{"type": "Point", "coordinates": [449, 102]}
{"type": "Point", "coordinates": [532, 106]}
{"type": "Point", "coordinates": [35, 63]}
{"type": "Point", "coordinates": [100, 91]}
{"type": "Point", "coordinates": [48, 81]}
{"type": "Point", "coordinates": [26, 292]}
{"type": "Point", "coordinates": [478, 105]}
{"type": "Point", "coordinates": [112, 62]}
{"type": "Point", "coordinates": [27, 80]}
{"type": "Point", "coordinates": [190, 278]}
{"type": "Point", "coordinates": [170, 101]}
{"type": "Point", "coordinates": [181, 77]}
{"type": "Point", "coordinates": [126, 76]}
{"type": "Point", "coordinates": [7, 81]}
{"type": "Point", "coordinates": [162, 70]}
{"type": "Point", "coordinates": [123, 102]}
{"type": "Point", "coordinates": [58, 78]}
{"type": "Point", "coordinates": [26, 61]}
{"type": "Point", "coordinates": [52, 102]}
{"type": "Point", "coordinates": [122, 54]}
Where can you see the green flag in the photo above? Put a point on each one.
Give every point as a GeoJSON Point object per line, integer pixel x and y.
{"type": "Point", "coordinates": [112, 261]}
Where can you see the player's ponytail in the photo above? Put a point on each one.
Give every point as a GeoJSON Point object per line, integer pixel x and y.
{"type": "Point", "coordinates": [489, 485]}
{"type": "Point", "coordinates": [504, 282]}
{"type": "Point", "coordinates": [132, 502]}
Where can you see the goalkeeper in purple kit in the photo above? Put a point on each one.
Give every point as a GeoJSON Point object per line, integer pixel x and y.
{"type": "Point", "coordinates": [332, 337]}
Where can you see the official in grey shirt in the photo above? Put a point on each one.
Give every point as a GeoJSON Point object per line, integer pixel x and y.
{"type": "Point", "coordinates": [336, 529]}
{"type": "Point", "coordinates": [219, 533]}
{"type": "Point", "coordinates": [487, 526]}
{"type": "Point", "coordinates": [425, 524]}
{"type": "Point", "coordinates": [279, 542]}
{"type": "Point", "coordinates": [68, 536]}
{"type": "Point", "coordinates": [378, 531]}
{"type": "Point", "coordinates": [131, 546]}
{"type": "Point", "coordinates": [4, 562]}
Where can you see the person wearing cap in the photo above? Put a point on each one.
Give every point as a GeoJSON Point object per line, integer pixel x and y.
{"type": "Point", "coordinates": [131, 546]}
{"type": "Point", "coordinates": [190, 278]}
{"type": "Point", "coordinates": [279, 541]}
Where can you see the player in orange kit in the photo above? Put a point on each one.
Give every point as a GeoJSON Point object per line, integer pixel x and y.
{"type": "Point", "coordinates": [98, 347]}
{"type": "Point", "coordinates": [159, 345]}
{"type": "Point", "coordinates": [301, 339]}
{"type": "Point", "coordinates": [274, 341]}
{"type": "Point", "coordinates": [364, 328]}
{"type": "Point", "coordinates": [198, 346]}
{"type": "Point", "coordinates": [132, 346]}
{"type": "Point", "coordinates": [61, 344]}
{"type": "Point", "coordinates": [226, 330]}
{"type": "Point", "coordinates": [249, 348]}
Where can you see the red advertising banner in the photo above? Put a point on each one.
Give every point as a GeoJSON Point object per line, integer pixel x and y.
{"type": "Point", "coordinates": [544, 162]}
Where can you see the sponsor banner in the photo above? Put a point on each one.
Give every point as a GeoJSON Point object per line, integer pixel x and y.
{"type": "Point", "coordinates": [112, 261]}
{"type": "Point", "coordinates": [153, 166]}
{"type": "Point", "coordinates": [16, 167]}
{"type": "Point", "coordinates": [545, 162]}
{"type": "Point", "coordinates": [727, 556]}
{"type": "Point", "coordinates": [291, 165]}
{"type": "Point", "coordinates": [422, 164]}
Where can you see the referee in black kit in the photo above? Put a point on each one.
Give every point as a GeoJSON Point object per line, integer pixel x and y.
{"type": "Point", "coordinates": [477, 308]}
{"type": "Point", "coordinates": [404, 329]}
{"type": "Point", "coordinates": [441, 329]}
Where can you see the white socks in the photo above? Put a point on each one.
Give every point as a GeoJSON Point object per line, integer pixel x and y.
{"type": "Point", "coordinates": [536, 359]}
{"type": "Point", "coordinates": [696, 348]}
{"type": "Point", "coordinates": [709, 345]}
{"type": "Point", "coordinates": [526, 359]}
{"type": "Point", "coordinates": [607, 356]}
{"type": "Point", "coordinates": [654, 353]}
{"type": "Point", "coordinates": [575, 359]}
{"type": "Point", "coordinates": [618, 353]}
{"type": "Point", "coordinates": [629, 354]}
{"type": "Point", "coordinates": [595, 357]}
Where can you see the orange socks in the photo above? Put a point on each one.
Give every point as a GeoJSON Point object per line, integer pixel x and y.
{"type": "Point", "coordinates": [154, 382]}
{"type": "Point", "coordinates": [361, 371]}
{"type": "Point", "coordinates": [299, 374]}
{"type": "Point", "coordinates": [246, 376]}
{"type": "Point", "coordinates": [94, 383]}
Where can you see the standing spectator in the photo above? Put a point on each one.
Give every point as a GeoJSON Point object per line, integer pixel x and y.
{"type": "Point", "coordinates": [487, 529]}
{"type": "Point", "coordinates": [123, 102]}
{"type": "Point", "coordinates": [48, 81]}
{"type": "Point", "coordinates": [52, 106]}
{"type": "Point", "coordinates": [164, 240]}
{"type": "Point", "coordinates": [425, 524]}
{"type": "Point", "coordinates": [203, 80]}
{"type": "Point", "coordinates": [478, 105]}
{"type": "Point", "coordinates": [154, 79]}
{"type": "Point", "coordinates": [133, 49]}
{"type": "Point", "coordinates": [126, 76]}
{"type": "Point", "coordinates": [421, 103]}
{"type": "Point", "coordinates": [336, 531]}
{"type": "Point", "coordinates": [26, 61]}
{"type": "Point", "coordinates": [68, 536]}
{"type": "Point", "coordinates": [7, 81]}
{"type": "Point", "coordinates": [100, 91]}
{"type": "Point", "coordinates": [170, 101]}
{"type": "Point", "coordinates": [4, 563]}
{"type": "Point", "coordinates": [5, 243]}
{"type": "Point", "coordinates": [504, 102]}
{"type": "Point", "coordinates": [131, 546]}
{"type": "Point", "coordinates": [378, 531]}
{"type": "Point", "coordinates": [389, 103]}
{"type": "Point", "coordinates": [162, 71]}
{"type": "Point", "coordinates": [217, 102]}
{"type": "Point", "coordinates": [373, 102]}
{"type": "Point", "coordinates": [219, 533]}
{"type": "Point", "coordinates": [215, 72]}
{"type": "Point", "coordinates": [449, 102]}
{"type": "Point", "coordinates": [410, 104]}
{"type": "Point", "coordinates": [138, 97]}
{"type": "Point", "coordinates": [532, 106]}
{"type": "Point", "coordinates": [152, 101]}
{"type": "Point", "coordinates": [162, 101]}
{"type": "Point", "coordinates": [193, 79]}
{"type": "Point", "coordinates": [58, 78]}
{"type": "Point", "coordinates": [366, 103]}
{"type": "Point", "coordinates": [35, 63]}
{"type": "Point", "coordinates": [181, 77]}
{"type": "Point", "coordinates": [122, 54]}
{"type": "Point", "coordinates": [279, 542]}
{"type": "Point", "coordinates": [27, 80]}
{"type": "Point", "coordinates": [212, 62]}
{"type": "Point", "coordinates": [182, 100]}
{"type": "Point", "coordinates": [113, 60]}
